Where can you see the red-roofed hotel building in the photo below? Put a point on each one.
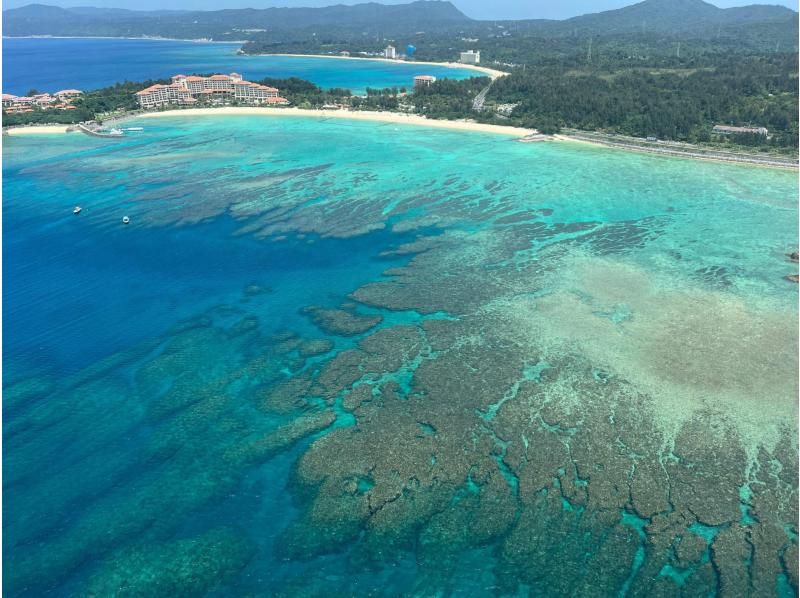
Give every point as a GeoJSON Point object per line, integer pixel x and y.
{"type": "Point", "coordinates": [44, 101]}
{"type": "Point", "coordinates": [216, 88]}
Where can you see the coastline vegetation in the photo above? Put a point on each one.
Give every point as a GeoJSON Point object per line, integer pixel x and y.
{"type": "Point", "coordinates": [306, 94]}
{"type": "Point", "coordinates": [670, 70]}
{"type": "Point", "coordinates": [677, 104]}
{"type": "Point", "coordinates": [115, 100]}
{"type": "Point", "coordinates": [668, 103]}
{"type": "Point", "coordinates": [674, 85]}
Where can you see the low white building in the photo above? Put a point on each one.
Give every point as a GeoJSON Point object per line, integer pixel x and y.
{"type": "Point", "coordinates": [68, 94]}
{"type": "Point", "coordinates": [471, 57]}
{"type": "Point", "coordinates": [726, 130]}
{"type": "Point", "coordinates": [423, 80]}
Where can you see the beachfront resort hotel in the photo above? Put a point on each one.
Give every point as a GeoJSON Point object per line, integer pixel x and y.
{"type": "Point", "coordinates": [214, 89]}
{"type": "Point", "coordinates": [424, 80]}
{"type": "Point", "coordinates": [61, 100]}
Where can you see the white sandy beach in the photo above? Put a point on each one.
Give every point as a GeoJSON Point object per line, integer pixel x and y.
{"type": "Point", "coordinates": [37, 130]}
{"type": "Point", "coordinates": [385, 117]}
{"type": "Point", "coordinates": [493, 73]}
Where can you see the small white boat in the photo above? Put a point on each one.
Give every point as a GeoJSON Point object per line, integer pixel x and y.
{"type": "Point", "coordinates": [76, 210]}
{"type": "Point", "coordinates": [125, 220]}
{"type": "Point", "coordinates": [134, 129]}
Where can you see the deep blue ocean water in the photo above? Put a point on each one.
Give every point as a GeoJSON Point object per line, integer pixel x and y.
{"type": "Point", "coordinates": [579, 315]}
{"type": "Point", "coordinates": [50, 64]}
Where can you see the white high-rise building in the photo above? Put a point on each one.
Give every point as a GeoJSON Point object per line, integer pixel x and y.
{"type": "Point", "coordinates": [471, 57]}
{"type": "Point", "coordinates": [390, 52]}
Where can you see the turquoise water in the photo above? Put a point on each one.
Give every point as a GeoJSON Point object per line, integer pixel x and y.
{"type": "Point", "coordinates": [50, 64]}
{"type": "Point", "coordinates": [349, 358]}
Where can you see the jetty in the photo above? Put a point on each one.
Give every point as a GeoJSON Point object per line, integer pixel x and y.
{"type": "Point", "coordinates": [98, 132]}
{"type": "Point", "coordinates": [535, 137]}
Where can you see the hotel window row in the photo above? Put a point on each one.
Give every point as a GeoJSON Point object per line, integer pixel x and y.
{"type": "Point", "coordinates": [186, 90]}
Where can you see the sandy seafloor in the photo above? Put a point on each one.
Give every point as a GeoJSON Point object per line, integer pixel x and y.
{"type": "Point", "coordinates": [353, 358]}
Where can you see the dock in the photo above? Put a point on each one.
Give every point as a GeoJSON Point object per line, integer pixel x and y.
{"type": "Point", "coordinates": [97, 132]}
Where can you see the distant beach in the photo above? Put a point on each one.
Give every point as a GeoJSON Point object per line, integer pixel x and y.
{"type": "Point", "coordinates": [493, 73]}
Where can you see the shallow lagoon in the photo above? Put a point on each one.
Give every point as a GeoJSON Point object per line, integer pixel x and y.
{"type": "Point", "coordinates": [50, 64]}
{"type": "Point", "coordinates": [344, 357]}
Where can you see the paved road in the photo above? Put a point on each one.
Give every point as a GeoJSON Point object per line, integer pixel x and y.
{"type": "Point", "coordinates": [477, 103]}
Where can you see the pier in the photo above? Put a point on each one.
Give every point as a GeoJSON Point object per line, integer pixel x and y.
{"type": "Point", "coordinates": [96, 132]}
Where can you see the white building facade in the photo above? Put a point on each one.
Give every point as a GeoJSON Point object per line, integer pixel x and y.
{"type": "Point", "coordinates": [423, 80]}
{"type": "Point", "coordinates": [471, 57]}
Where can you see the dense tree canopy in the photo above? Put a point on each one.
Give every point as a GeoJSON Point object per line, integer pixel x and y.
{"type": "Point", "coordinates": [678, 104]}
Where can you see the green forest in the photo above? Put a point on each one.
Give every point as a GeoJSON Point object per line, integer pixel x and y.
{"type": "Point", "coordinates": [674, 87]}
{"type": "Point", "coordinates": [669, 103]}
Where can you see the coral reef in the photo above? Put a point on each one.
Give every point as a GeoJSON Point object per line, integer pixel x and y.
{"type": "Point", "coordinates": [186, 567]}
{"type": "Point", "coordinates": [342, 322]}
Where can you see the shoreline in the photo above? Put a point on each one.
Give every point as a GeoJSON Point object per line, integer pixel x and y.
{"type": "Point", "coordinates": [720, 157]}
{"type": "Point", "coordinates": [414, 120]}
{"type": "Point", "coordinates": [372, 116]}
{"type": "Point", "coordinates": [492, 73]}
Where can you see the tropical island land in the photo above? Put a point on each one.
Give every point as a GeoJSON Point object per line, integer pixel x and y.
{"type": "Point", "coordinates": [438, 103]}
{"type": "Point", "coordinates": [663, 72]}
